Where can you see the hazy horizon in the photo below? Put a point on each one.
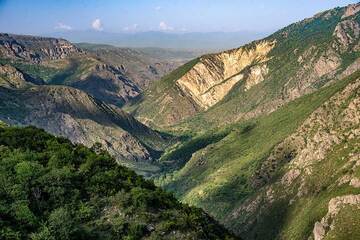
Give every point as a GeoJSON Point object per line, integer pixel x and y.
{"type": "Point", "coordinates": [44, 17]}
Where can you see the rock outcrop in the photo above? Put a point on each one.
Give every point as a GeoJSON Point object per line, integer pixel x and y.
{"type": "Point", "coordinates": [285, 176]}
{"type": "Point", "coordinates": [35, 49]}
{"type": "Point", "coordinates": [211, 79]}
{"type": "Point", "coordinates": [335, 205]}
{"type": "Point", "coordinates": [260, 77]}
{"type": "Point", "coordinates": [351, 10]}
{"type": "Point", "coordinates": [11, 77]}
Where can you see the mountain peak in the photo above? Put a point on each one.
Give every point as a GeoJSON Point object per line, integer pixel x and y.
{"type": "Point", "coordinates": [351, 10]}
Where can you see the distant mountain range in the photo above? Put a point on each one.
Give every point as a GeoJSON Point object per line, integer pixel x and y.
{"type": "Point", "coordinates": [195, 40]}
{"type": "Point", "coordinates": [264, 137]}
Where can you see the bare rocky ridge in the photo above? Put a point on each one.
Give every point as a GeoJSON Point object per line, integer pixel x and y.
{"type": "Point", "coordinates": [296, 186]}
{"type": "Point", "coordinates": [214, 75]}
{"type": "Point", "coordinates": [351, 10]}
{"type": "Point", "coordinates": [68, 65]}
{"type": "Point", "coordinates": [35, 49]}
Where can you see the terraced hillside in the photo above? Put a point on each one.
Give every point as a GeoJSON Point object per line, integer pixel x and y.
{"type": "Point", "coordinates": [257, 78]}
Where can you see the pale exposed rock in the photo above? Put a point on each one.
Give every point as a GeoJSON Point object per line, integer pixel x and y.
{"type": "Point", "coordinates": [257, 75]}
{"type": "Point", "coordinates": [351, 10]}
{"type": "Point", "coordinates": [355, 182]}
{"type": "Point", "coordinates": [214, 75]}
{"type": "Point", "coordinates": [10, 77]}
{"type": "Point", "coordinates": [290, 176]}
{"type": "Point", "coordinates": [349, 179]}
{"type": "Point", "coordinates": [217, 92]}
{"type": "Point", "coordinates": [270, 195]}
{"type": "Point", "coordinates": [335, 205]}
{"type": "Point", "coordinates": [319, 231]}
{"type": "Point", "coordinates": [323, 140]}
{"type": "Point", "coordinates": [326, 65]}
{"type": "Point", "coordinates": [313, 67]}
{"type": "Point", "coordinates": [347, 32]}
{"type": "Point", "coordinates": [350, 69]}
{"type": "Point", "coordinates": [325, 128]}
{"type": "Point", "coordinates": [344, 180]}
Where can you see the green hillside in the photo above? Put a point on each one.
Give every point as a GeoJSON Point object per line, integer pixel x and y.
{"type": "Point", "coordinates": [219, 173]}
{"type": "Point", "coordinates": [52, 189]}
{"type": "Point", "coordinates": [306, 56]}
{"type": "Point", "coordinates": [153, 103]}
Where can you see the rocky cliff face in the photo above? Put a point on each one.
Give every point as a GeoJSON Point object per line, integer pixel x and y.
{"type": "Point", "coordinates": [214, 75]}
{"type": "Point", "coordinates": [35, 49]}
{"type": "Point", "coordinates": [259, 77]}
{"type": "Point", "coordinates": [111, 75]}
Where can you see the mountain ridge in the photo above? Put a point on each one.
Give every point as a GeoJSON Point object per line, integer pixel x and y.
{"type": "Point", "coordinates": [72, 113]}
{"type": "Point", "coordinates": [282, 77]}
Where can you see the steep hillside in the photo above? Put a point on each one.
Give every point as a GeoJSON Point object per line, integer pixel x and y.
{"type": "Point", "coordinates": [71, 113]}
{"type": "Point", "coordinates": [142, 66]}
{"type": "Point", "coordinates": [52, 189]}
{"type": "Point", "coordinates": [35, 49]}
{"type": "Point", "coordinates": [158, 102]}
{"type": "Point", "coordinates": [57, 61]}
{"type": "Point", "coordinates": [279, 176]}
{"type": "Point", "coordinates": [258, 77]}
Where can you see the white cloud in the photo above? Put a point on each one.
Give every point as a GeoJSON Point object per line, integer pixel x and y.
{"type": "Point", "coordinates": [97, 25]}
{"type": "Point", "coordinates": [131, 28]}
{"type": "Point", "coordinates": [63, 26]}
{"type": "Point", "coordinates": [158, 8]}
{"type": "Point", "coordinates": [164, 27]}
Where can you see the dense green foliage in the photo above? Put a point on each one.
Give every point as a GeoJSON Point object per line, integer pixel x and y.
{"type": "Point", "coordinates": [52, 189]}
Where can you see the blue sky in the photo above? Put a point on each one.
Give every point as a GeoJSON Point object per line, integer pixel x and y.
{"type": "Point", "coordinates": [46, 16]}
